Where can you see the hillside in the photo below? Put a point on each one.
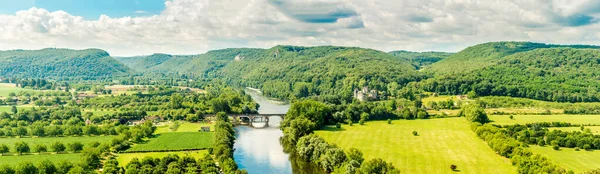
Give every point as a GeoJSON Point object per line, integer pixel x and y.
{"type": "Point", "coordinates": [420, 60]}
{"type": "Point", "coordinates": [550, 74]}
{"type": "Point", "coordinates": [292, 71]}
{"type": "Point", "coordinates": [60, 64]}
{"type": "Point", "coordinates": [141, 63]}
{"type": "Point", "coordinates": [486, 54]}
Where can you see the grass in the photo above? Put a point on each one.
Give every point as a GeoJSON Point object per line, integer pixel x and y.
{"type": "Point", "coordinates": [183, 127]}
{"type": "Point", "coordinates": [568, 158]}
{"type": "Point", "coordinates": [176, 141]}
{"type": "Point", "coordinates": [7, 109]}
{"type": "Point", "coordinates": [440, 143]}
{"type": "Point", "coordinates": [523, 119]}
{"type": "Point", "coordinates": [595, 129]}
{"type": "Point", "coordinates": [85, 140]}
{"type": "Point", "coordinates": [6, 89]}
{"type": "Point", "coordinates": [15, 160]}
{"type": "Point", "coordinates": [124, 158]}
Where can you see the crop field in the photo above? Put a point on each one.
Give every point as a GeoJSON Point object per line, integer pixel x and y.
{"type": "Point", "coordinates": [15, 160]}
{"type": "Point", "coordinates": [594, 129]}
{"type": "Point", "coordinates": [440, 143]}
{"type": "Point", "coordinates": [523, 119]}
{"type": "Point", "coordinates": [568, 158]}
{"type": "Point", "coordinates": [85, 140]}
{"type": "Point", "coordinates": [183, 127]}
{"type": "Point", "coordinates": [124, 158]}
{"type": "Point", "coordinates": [175, 141]}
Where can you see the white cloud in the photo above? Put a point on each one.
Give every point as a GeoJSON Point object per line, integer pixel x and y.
{"type": "Point", "coordinates": [196, 26]}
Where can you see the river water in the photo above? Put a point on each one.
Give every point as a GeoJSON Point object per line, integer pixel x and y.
{"type": "Point", "coordinates": [258, 150]}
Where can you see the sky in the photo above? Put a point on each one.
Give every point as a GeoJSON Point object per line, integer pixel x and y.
{"type": "Point", "coordinates": [142, 27]}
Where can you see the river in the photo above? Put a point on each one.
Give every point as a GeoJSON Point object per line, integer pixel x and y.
{"type": "Point", "coordinates": [258, 150]}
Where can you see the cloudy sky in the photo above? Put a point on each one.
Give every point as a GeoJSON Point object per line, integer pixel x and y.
{"type": "Point", "coordinates": [137, 27]}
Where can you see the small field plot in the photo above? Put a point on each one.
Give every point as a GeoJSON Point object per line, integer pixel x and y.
{"type": "Point", "coordinates": [183, 127]}
{"type": "Point", "coordinates": [523, 119]}
{"type": "Point", "coordinates": [85, 140]}
{"type": "Point", "coordinates": [439, 144]}
{"type": "Point", "coordinates": [7, 88]}
{"type": "Point", "coordinates": [568, 158]}
{"type": "Point", "coordinates": [35, 159]}
{"type": "Point", "coordinates": [124, 158]}
{"type": "Point", "coordinates": [594, 129]}
{"type": "Point", "coordinates": [175, 141]}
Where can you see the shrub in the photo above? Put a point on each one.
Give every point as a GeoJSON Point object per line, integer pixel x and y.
{"type": "Point", "coordinates": [555, 147]}
{"type": "Point", "coordinates": [587, 147]}
{"type": "Point", "coordinates": [389, 121]}
{"type": "Point", "coordinates": [453, 167]}
{"type": "Point", "coordinates": [361, 122]}
{"type": "Point", "coordinates": [338, 125]}
{"type": "Point", "coordinates": [415, 133]}
{"type": "Point", "coordinates": [576, 148]}
{"type": "Point", "coordinates": [511, 117]}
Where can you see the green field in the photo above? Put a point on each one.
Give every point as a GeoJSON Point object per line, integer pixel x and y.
{"type": "Point", "coordinates": [441, 143]}
{"type": "Point", "coordinates": [85, 140]}
{"type": "Point", "coordinates": [14, 160]}
{"type": "Point", "coordinates": [523, 119]}
{"type": "Point", "coordinates": [183, 127]}
{"type": "Point", "coordinates": [6, 89]}
{"type": "Point", "coordinates": [595, 129]}
{"type": "Point", "coordinates": [19, 107]}
{"type": "Point", "coordinates": [124, 158]}
{"type": "Point", "coordinates": [176, 141]}
{"type": "Point", "coordinates": [568, 158]}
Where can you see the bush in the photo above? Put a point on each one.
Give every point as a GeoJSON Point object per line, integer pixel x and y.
{"type": "Point", "coordinates": [361, 122]}
{"type": "Point", "coordinates": [555, 147]}
{"type": "Point", "coordinates": [576, 148]}
{"type": "Point", "coordinates": [587, 147]}
{"type": "Point", "coordinates": [453, 167]}
{"type": "Point", "coordinates": [389, 121]}
{"type": "Point", "coordinates": [415, 133]}
{"type": "Point", "coordinates": [338, 125]}
{"type": "Point", "coordinates": [511, 117]}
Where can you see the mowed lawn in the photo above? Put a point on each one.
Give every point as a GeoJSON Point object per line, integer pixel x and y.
{"type": "Point", "coordinates": [568, 158]}
{"type": "Point", "coordinates": [176, 141]}
{"type": "Point", "coordinates": [594, 129]}
{"type": "Point", "coordinates": [85, 140]}
{"type": "Point", "coordinates": [523, 119]}
{"type": "Point", "coordinates": [124, 158]}
{"type": "Point", "coordinates": [441, 143]}
{"type": "Point", "coordinates": [35, 159]}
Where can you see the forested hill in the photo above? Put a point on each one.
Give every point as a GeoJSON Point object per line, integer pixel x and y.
{"type": "Point", "coordinates": [551, 74]}
{"type": "Point", "coordinates": [61, 64]}
{"type": "Point", "coordinates": [486, 54]}
{"type": "Point", "coordinates": [293, 71]}
{"type": "Point", "coordinates": [141, 63]}
{"type": "Point", "coordinates": [421, 60]}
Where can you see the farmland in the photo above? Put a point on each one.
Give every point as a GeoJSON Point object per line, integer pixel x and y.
{"type": "Point", "coordinates": [578, 161]}
{"type": "Point", "coordinates": [523, 119]}
{"type": "Point", "coordinates": [441, 143]}
{"type": "Point", "coordinates": [14, 160]}
{"type": "Point", "coordinates": [175, 141]}
{"type": "Point", "coordinates": [124, 158]}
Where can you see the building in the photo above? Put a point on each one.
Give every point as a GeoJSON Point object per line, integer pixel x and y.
{"type": "Point", "coordinates": [365, 94]}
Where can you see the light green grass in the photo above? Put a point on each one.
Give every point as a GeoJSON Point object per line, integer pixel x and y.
{"type": "Point", "coordinates": [523, 119]}
{"type": "Point", "coordinates": [124, 158]}
{"type": "Point", "coordinates": [15, 160]}
{"type": "Point", "coordinates": [6, 89]}
{"type": "Point", "coordinates": [183, 127]}
{"type": "Point", "coordinates": [85, 140]}
{"type": "Point", "coordinates": [441, 143]}
{"type": "Point", "coordinates": [19, 107]}
{"type": "Point", "coordinates": [568, 158]}
{"type": "Point", "coordinates": [594, 129]}
{"type": "Point", "coordinates": [176, 141]}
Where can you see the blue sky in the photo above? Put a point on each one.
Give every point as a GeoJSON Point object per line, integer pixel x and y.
{"type": "Point", "coordinates": [88, 9]}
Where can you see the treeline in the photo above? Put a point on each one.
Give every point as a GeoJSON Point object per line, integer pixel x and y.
{"type": "Point", "coordinates": [223, 144]}
{"type": "Point", "coordinates": [513, 102]}
{"type": "Point", "coordinates": [301, 120]}
{"type": "Point", "coordinates": [536, 134]}
{"type": "Point", "coordinates": [168, 164]}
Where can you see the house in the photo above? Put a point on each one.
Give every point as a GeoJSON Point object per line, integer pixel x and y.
{"type": "Point", "coordinates": [365, 94]}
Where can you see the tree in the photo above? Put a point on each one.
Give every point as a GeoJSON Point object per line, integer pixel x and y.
{"type": "Point", "coordinates": [355, 154]}
{"type": "Point", "coordinates": [47, 167]}
{"type": "Point", "coordinates": [39, 148]}
{"type": "Point", "coordinates": [13, 109]}
{"type": "Point", "coordinates": [21, 147]}
{"type": "Point", "coordinates": [58, 147]}
{"type": "Point", "coordinates": [75, 147]}
{"type": "Point", "coordinates": [4, 149]}
{"type": "Point", "coordinates": [453, 167]}
{"type": "Point", "coordinates": [415, 133]}
{"type": "Point", "coordinates": [474, 113]}
{"type": "Point", "coordinates": [377, 165]}
{"type": "Point", "coordinates": [389, 121]}
{"type": "Point", "coordinates": [6, 169]}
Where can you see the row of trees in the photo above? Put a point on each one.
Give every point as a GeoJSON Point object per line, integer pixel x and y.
{"type": "Point", "coordinates": [168, 164]}
{"type": "Point", "coordinates": [223, 144]}
{"type": "Point", "coordinates": [58, 147]}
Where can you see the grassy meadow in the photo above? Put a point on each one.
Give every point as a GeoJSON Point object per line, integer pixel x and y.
{"type": "Point", "coordinates": [568, 158]}
{"type": "Point", "coordinates": [124, 158]}
{"type": "Point", "coordinates": [176, 141]}
{"type": "Point", "coordinates": [19, 107]}
{"type": "Point", "coordinates": [523, 119]}
{"type": "Point", "coordinates": [34, 158]}
{"type": "Point", "coordinates": [85, 140]}
{"type": "Point", "coordinates": [7, 88]}
{"type": "Point", "coordinates": [440, 143]}
{"type": "Point", "coordinates": [183, 127]}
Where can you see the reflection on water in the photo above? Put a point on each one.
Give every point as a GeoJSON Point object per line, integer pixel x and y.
{"type": "Point", "coordinates": [258, 150]}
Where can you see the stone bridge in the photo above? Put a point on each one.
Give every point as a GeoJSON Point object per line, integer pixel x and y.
{"type": "Point", "coordinates": [248, 119]}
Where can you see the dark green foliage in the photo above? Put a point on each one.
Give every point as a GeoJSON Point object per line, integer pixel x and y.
{"type": "Point", "coordinates": [60, 64]}
{"type": "Point", "coordinates": [377, 165]}
{"type": "Point", "coordinates": [415, 133]}
{"type": "Point", "coordinates": [474, 113]}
